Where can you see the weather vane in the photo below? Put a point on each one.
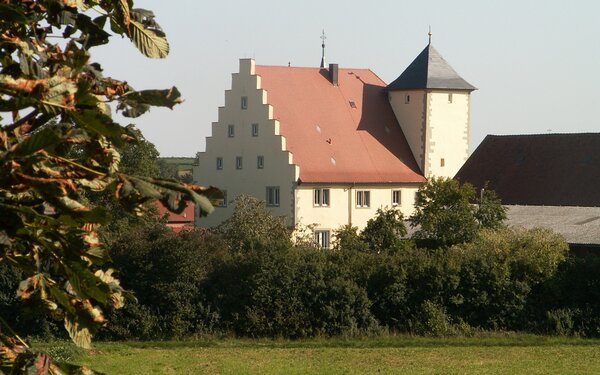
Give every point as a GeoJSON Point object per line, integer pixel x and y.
{"type": "Point", "coordinates": [429, 34]}
{"type": "Point", "coordinates": [323, 37]}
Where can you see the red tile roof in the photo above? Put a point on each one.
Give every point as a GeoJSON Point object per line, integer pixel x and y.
{"type": "Point", "coordinates": [185, 217]}
{"type": "Point", "coordinates": [346, 133]}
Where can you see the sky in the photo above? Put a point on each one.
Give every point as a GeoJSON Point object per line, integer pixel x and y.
{"type": "Point", "coordinates": [536, 64]}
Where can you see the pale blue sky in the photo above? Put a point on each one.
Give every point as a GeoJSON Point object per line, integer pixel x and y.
{"type": "Point", "coordinates": [536, 63]}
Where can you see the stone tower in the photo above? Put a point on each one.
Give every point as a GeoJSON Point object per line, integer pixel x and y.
{"type": "Point", "coordinates": [432, 104]}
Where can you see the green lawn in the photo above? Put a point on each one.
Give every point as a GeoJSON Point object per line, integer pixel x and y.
{"type": "Point", "coordinates": [516, 354]}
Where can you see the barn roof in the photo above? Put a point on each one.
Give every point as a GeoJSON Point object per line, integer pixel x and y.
{"type": "Point", "coordinates": [542, 169]}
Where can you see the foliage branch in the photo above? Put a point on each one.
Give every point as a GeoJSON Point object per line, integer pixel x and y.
{"type": "Point", "coordinates": [59, 141]}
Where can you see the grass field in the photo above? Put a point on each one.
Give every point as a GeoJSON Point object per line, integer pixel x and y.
{"type": "Point", "coordinates": [506, 354]}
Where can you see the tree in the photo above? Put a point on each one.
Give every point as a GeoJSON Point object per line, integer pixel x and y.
{"type": "Point", "coordinates": [490, 212]}
{"type": "Point", "coordinates": [253, 227]}
{"type": "Point", "coordinates": [140, 159]}
{"type": "Point", "coordinates": [448, 213]}
{"type": "Point", "coordinates": [56, 100]}
{"type": "Point", "coordinates": [385, 231]}
{"type": "Point", "coordinates": [346, 238]}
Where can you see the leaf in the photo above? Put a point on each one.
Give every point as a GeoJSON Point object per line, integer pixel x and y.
{"type": "Point", "coordinates": [81, 336]}
{"type": "Point", "coordinates": [96, 35]}
{"type": "Point", "coordinates": [158, 98]}
{"type": "Point", "coordinates": [151, 42]}
{"type": "Point", "coordinates": [85, 283]}
{"type": "Point", "coordinates": [60, 96]}
{"type": "Point", "coordinates": [123, 7]}
{"type": "Point", "coordinates": [145, 189]}
{"type": "Point", "coordinates": [10, 13]}
{"type": "Point", "coordinates": [43, 139]}
{"type": "Point", "coordinates": [98, 123]}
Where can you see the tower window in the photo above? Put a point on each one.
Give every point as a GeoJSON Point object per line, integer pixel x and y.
{"type": "Point", "coordinates": [230, 131]}
{"type": "Point", "coordinates": [244, 102]}
{"type": "Point", "coordinates": [450, 98]}
{"type": "Point", "coordinates": [260, 162]}
{"type": "Point", "coordinates": [407, 99]}
{"type": "Point", "coordinates": [238, 162]}
{"type": "Point", "coordinates": [255, 130]}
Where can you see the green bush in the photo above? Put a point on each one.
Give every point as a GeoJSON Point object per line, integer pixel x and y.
{"type": "Point", "coordinates": [165, 271]}
{"type": "Point", "coordinates": [385, 231]}
{"type": "Point", "coordinates": [569, 302]}
{"type": "Point", "coordinates": [499, 271]}
{"type": "Point", "coordinates": [297, 292]}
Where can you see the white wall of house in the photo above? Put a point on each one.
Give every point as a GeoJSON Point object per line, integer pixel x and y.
{"type": "Point", "coordinates": [233, 137]}
{"type": "Point", "coordinates": [342, 208]}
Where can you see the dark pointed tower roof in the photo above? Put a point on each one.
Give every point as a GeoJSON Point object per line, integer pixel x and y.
{"type": "Point", "coordinates": [430, 71]}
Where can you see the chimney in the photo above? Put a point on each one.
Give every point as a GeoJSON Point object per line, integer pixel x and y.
{"type": "Point", "coordinates": [333, 74]}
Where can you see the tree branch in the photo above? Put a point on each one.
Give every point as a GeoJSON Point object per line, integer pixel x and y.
{"type": "Point", "coordinates": [22, 121]}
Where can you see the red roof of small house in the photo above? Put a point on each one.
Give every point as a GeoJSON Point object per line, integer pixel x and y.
{"type": "Point", "coordinates": [185, 217]}
{"type": "Point", "coordinates": [339, 133]}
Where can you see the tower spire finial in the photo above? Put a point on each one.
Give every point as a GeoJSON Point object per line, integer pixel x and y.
{"type": "Point", "coordinates": [429, 34]}
{"type": "Point", "coordinates": [323, 37]}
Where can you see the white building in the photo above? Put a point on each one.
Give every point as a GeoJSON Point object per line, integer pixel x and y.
{"type": "Point", "coordinates": [327, 147]}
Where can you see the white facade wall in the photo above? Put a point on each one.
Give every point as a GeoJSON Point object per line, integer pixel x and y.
{"type": "Point", "coordinates": [436, 128]}
{"type": "Point", "coordinates": [409, 108]}
{"type": "Point", "coordinates": [277, 171]}
{"type": "Point", "coordinates": [447, 132]}
{"type": "Point", "coordinates": [342, 207]}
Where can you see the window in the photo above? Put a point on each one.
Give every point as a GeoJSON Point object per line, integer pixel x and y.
{"type": "Point", "coordinates": [244, 102]}
{"type": "Point", "coordinates": [230, 131]}
{"type": "Point", "coordinates": [321, 197]}
{"type": "Point", "coordinates": [450, 98]}
{"type": "Point", "coordinates": [260, 162]}
{"type": "Point", "coordinates": [407, 99]}
{"type": "Point", "coordinates": [396, 198]}
{"type": "Point", "coordinates": [223, 202]}
{"type": "Point", "coordinates": [442, 162]}
{"type": "Point", "coordinates": [238, 162]}
{"type": "Point", "coordinates": [272, 195]}
{"type": "Point", "coordinates": [255, 130]}
{"type": "Point", "coordinates": [322, 238]}
{"type": "Point", "coordinates": [219, 163]}
{"type": "Point", "coordinates": [363, 198]}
